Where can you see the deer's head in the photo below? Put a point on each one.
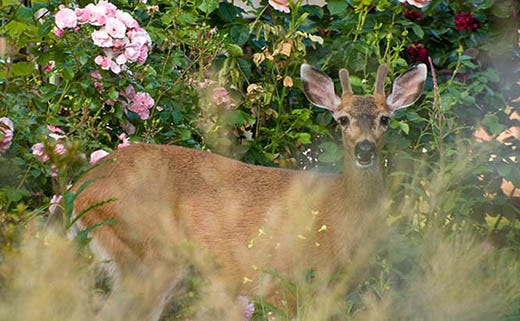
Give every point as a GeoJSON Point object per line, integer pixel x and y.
{"type": "Point", "coordinates": [363, 119]}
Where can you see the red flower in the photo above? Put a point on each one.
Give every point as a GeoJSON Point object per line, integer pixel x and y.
{"type": "Point", "coordinates": [417, 52]}
{"type": "Point", "coordinates": [466, 21]}
{"type": "Point", "coordinates": [413, 15]}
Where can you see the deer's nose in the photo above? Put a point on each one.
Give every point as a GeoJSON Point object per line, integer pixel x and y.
{"type": "Point", "coordinates": [365, 152]}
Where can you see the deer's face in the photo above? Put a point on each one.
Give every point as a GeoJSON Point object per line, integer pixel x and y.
{"type": "Point", "coordinates": [363, 119]}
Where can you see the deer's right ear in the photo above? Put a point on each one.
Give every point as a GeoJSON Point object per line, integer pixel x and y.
{"type": "Point", "coordinates": [407, 88]}
{"type": "Point", "coordinates": [319, 88]}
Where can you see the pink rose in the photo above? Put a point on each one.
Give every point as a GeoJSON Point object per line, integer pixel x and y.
{"type": "Point", "coordinates": [104, 62]}
{"type": "Point", "coordinates": [97, 15]}
{"type": "Point", "coordinates": [125, 141]}
{"type": "Point", "coordinates": [66, 18]}
{"type": "Point", "coordinates": [83, 15]}
{"type": "Point", "coordinates": [115, 28]}
{"type": "Point", "coordinates": [38, 149]}
{"type": "Point", "coordinates": [116, 68]}
{"type": "Point", "coordinates": [129, 92]}
{"type": "Point", "coordinates": [97, 155]}
{"type": "Point", "coordinates": [280, 5]}
{"type": "Point", "coordinates": [6, 134]}
{"type": "Point", "coordinates": [55, 203]}
{"type": "Point", "coordinates": [49, 66]}
{"type": "Point", "coordinates": [96, 75]}
{"type": "Point", "coordinates": [139, 35]}
{"type": "Point", "coordinates": [55, 129]}
{"type": "Point", "coordinates": [60, 149]}
{"type": "Point", "coordinates": [143, 54]}
{"type": "Point", "coordinates": [108, 8]}
{"type": "Point", "coordinates": [127, 19]}
{"type": "Point", "coordinates": [58, 32]}
{"type": "Point", "coordinates": [132, 52]}
{"type": "Point", "coordinates": [417, 3]}
{"type": "Point", "coordinates": [141, 105]}
{"type": "Point", "coordinates": [101, 38]}
{"type": "Point", "coordinates": [221, 98]}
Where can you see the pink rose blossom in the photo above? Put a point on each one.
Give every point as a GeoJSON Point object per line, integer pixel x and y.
{"type": "Point", "coordinates": [115, 28]}
{"type": "Point", "coordinates": [66, 18]}
{"type": "Point", "coordinates": [101, 38]}
{"type": "Point", "coordinates": [127, 19]}
{"type": "Point", "coordinates": [280, 5]}
{"type": "Point", "coordinates": [60, 149]}
{"type": "Point", "coordinates": [55, 203]}
{"type": "Point", "coordinates": [103, 62]}
{"type": "Point", "coordinates": [58, 32]}
{"type": "Point", "coordinates": [97, 155]}
{"type": "Point", "coordinates": [129, 92]}
{"type": "Point", "coordinates": [49, 66]}
{"type": "Point", "coordinates": [83, 15]}
{"type": "Point", "coordinates": [139, 35]}
{"type": "Point", "coordinates": [6, 134]}
{"type": "Point", "coordinates": [125, 141]}
{"type": "Point", "coordinates": [96, 75]}
{"type": "Point", "coordinates": [220, 97]}
{"type": "Point", "coordinates": [417, 3]}
{"type": "Point", "coordinates": [119, 34]}
{"type": "Point", "coordinates": [133, 52]}
{"type": "Point", "coordinates": [116, 68]}
{"type": "Point", "coordinates": [97, 15]}
{"type": "Point", "coordinates": [56, 129]}
{"type": "Point", "coordinates": [143, 55]}
{"type": "Point", "coordinates": [108, 8]}
{"type": "Point", "coordinates": [141, 105]}
{"type": "Point", "coordinates": [38, 149]}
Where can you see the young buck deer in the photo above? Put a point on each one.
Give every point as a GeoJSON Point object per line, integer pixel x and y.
{"type": "Point", "coordinates": [248, 219]}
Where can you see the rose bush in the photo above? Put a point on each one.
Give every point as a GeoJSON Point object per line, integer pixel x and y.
{"type": "Point", "coordinates": [87, 78]}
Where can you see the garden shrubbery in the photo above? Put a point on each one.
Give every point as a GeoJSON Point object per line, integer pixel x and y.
{"type": "Point", "coordinates": [80, 79]}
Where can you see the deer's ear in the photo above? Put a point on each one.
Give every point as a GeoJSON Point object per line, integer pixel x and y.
{"type": "Point", "coordinates": [407, 88]}
{"type": "Point", "coordinates": [319, 88]}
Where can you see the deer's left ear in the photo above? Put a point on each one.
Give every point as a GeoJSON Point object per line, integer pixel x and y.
{"type": "Point", "coordinates": [407, 88]}
{"type": "Point", "coordinates": [319, 88]}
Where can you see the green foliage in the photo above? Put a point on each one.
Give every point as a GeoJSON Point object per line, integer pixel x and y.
{"type": "Point", "coordinates": [206, 48]}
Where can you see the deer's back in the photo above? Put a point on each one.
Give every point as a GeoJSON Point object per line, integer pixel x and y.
{"type": "Point", "coordinates": [240, 213]}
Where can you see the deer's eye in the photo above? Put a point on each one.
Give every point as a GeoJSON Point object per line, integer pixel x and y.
{"type": "Point", "coordinates": [384, 121]}
{"type": "Point", "coordinates": [344, 121]}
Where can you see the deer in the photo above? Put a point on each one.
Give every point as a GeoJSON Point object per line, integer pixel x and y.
{"type": "Point", "coordinates": [247, 219]}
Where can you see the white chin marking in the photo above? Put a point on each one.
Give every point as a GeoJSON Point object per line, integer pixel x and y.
{"type": "Point", "coordinates": [367, 165]}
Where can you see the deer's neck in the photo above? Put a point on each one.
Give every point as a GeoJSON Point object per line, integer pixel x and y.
{"type": "Point", "coordinates": [363, 187]}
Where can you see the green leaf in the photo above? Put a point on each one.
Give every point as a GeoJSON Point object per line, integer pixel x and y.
{"type": "Point", "coordinates": [234, 50]}
{"type": "Point", "coordinates": [21, 69]}
{"type": "Point", "coordinates": [68, 73]}
{"type": "Point", "coordinates": [492, 122]}
{"type": "Point", "coordinates": [239, 34]}
{"type": "Point", "coordinates": [208, 6]}
{"type": "Point", "coordinates": [227, 11]}
{"type": "Point", "coordinates": [15, 195]}
{"type": "Point", "coordinates": [304, 138]}
{"type": "Point", "coordinates": [418, 31]}
{"type": "Point", "coordinates": [45, 28]}
{"type": "Point", "coordinates": [337, 7]}
{"type": "Point", "coordinates": [24, 14]}
{"type": "Point", "coordinates": [113, 93]}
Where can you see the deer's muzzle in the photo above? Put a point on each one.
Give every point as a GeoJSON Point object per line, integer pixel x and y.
{"type": "Point", "coordinates": [365, 153]}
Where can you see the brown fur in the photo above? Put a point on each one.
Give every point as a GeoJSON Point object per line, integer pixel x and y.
{"type": "Point", "coordinates": [248, 219]}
